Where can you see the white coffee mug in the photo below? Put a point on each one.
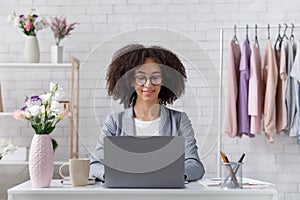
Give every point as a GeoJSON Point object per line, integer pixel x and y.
{"type": "Point", "coordinates": [79, 169]}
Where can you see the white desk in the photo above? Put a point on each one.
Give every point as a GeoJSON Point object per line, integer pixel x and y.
{"type": "Point", "coordinates": [192, 191]}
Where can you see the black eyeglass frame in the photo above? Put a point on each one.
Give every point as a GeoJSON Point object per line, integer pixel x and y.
{"type": "Point", "coordinates": [145, 78]}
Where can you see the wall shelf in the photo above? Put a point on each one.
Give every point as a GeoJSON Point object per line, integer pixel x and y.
{"type": "Point", "coordinates": [72, 104]}
{"type": "Point", "coordinates": [6, 114]}
{"type": "Point", "coordinates": [17, 162]}
{"type": "Point", "coordinates": [36, 65]}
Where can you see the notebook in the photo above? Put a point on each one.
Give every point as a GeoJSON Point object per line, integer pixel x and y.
{"type": "Point", "coordinates": [144, 162]}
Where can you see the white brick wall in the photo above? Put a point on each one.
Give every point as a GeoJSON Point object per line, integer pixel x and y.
{"type": "Point", "coordinates": [102, 19]}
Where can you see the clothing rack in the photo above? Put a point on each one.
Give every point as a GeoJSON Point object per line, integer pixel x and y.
{"type": "Point", "coordinates": [258, 26]}
{"type": "Point", "coordinates": [283, 26]}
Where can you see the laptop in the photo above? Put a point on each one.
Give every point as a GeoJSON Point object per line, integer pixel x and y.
{"type": "Point", "coordinates": [144, 162]}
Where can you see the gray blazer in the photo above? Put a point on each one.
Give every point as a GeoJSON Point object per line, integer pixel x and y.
{"type": "Point", "coordinates": [172, 123]}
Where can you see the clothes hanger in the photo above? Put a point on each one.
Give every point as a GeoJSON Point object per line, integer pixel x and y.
{"type": "Point", "coordinates": [292, 32]}
{"type": "Point", "coordinates": [268, 31]}
{"type": "Point", "coordinates": [278, 40]}
{"type": "Point", "coordinates": [247, 37]}
{"type": "Point", "coordinates": [234, 36]}
{"type": "Point", "coordinates": [284, 32]}
{"type": "Point", "coordinates": [256, 38]}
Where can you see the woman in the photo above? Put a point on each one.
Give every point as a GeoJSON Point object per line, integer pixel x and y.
{"type": "Point", "coordinates": [145, 80]}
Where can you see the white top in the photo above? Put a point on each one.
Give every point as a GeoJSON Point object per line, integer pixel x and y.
{"type": "Point", "coordinates": [147, 128]}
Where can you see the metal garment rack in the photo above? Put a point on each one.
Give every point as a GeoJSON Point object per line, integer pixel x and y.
{"type": "Point", "coordinates": [267, 28]}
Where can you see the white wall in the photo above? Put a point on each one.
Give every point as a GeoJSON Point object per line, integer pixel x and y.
{"type": "Point", "coordinates": [99, 20]}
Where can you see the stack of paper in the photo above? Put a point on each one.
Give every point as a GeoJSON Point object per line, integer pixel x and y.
{"type": "Point", "coordinates": [247, 182]}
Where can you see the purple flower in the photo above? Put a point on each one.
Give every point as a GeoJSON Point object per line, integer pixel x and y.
{"type": "Point", "coordinates": [24, 108]}
{"type": "Point", "coordinates": [34, 100]}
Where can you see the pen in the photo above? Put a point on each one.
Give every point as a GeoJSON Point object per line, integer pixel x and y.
{"type": "Point", "coordinates": [224, 157]}
{"type": "Point", "coordinates": [241, 158]}
{"type": "Point", "coordinates": [239, 161]}
{"type": "Point", "coordinates": [229, 168]}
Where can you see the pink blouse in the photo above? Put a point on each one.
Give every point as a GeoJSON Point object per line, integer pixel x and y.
{"type": "Point", "coordinates": [231, 119]}
{"type": "Point", "coordinates": [255, 100]}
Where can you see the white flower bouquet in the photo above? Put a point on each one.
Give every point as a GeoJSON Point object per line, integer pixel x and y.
{"type": "Point", "coordinates": [44, 111]}
{"type": "Point", "coordinates": [6, 147]}
{"type": "Point", "coordinates": [28, 23]}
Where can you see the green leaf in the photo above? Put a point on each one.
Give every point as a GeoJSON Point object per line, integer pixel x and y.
{"type": "Point", "coordinates": [51, 117]}
{"type": "Point", "coordinates": [49, 129]}
{"type": "Point", "coordinates": [37, 120]}
{"type": "Point", "coordinates": [36, 128]}
{"type": "Point", "coordinates": [48, 125]}
{"type": "Point", "coordinates": [54, 144]}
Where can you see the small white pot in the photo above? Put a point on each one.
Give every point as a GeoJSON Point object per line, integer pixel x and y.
{"type": "Point", "coordinates": [56, 54]}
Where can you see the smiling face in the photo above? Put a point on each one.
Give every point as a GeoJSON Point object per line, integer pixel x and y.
{"type": "Point", "coordinates": [149, 74]}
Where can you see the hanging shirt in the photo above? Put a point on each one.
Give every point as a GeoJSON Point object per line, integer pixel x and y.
{"type": "Point", "coordinates": [231, 114]}
{"type": "Point", "coordinates": [270, 76]}
{"type": "Point", "coordinates": [291, 98]}
{"type": "Point", "coordinates": [298, 134]}
{"type": "Point", "coordinates": [244, 119]}
{"type": "Point", "coordinates": [281, 113]}
{"type": "Point", "coordinates": [295, 74]}
{"type": "Point", "coordinates": [255, 91]}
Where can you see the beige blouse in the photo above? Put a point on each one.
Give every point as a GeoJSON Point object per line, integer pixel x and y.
{"type": "Point", "coordinates": [270, 76]}
{"type": "Point", "coordinates": [231, 119]}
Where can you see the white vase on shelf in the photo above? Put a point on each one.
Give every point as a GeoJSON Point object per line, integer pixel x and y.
{"type": "Point", "coordinates": [56, 54]}
{"type": "Point", "coordinates": [31, 50]}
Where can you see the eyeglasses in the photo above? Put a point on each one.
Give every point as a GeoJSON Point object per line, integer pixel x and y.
{"type": "Point", "coordinates": [142, 80]}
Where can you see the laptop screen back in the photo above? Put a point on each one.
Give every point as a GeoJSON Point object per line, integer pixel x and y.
{"type": "Point", "coordinates": [156, 162]}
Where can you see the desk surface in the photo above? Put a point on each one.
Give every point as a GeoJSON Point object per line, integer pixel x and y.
{"type": "Point", "coordinates": [192, 190]}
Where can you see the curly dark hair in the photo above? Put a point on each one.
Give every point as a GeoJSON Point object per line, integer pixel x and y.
{"type": "Point", "coordinates": [120, 73]}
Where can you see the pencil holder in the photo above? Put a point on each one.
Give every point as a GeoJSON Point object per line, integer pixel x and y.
{"type": "Point", "coordinates": [231, 175]}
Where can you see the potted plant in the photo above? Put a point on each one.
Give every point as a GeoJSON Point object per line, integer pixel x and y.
{"type": "Point", "coordinates": [30, 25]}
{"type": "Point", "coordinates": [43, 113]}
{"type": "Point", "coordinates": [60, 30]}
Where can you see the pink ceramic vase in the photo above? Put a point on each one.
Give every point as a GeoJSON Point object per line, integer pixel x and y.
{"type": "Point", "coordinates": [41, 161]}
